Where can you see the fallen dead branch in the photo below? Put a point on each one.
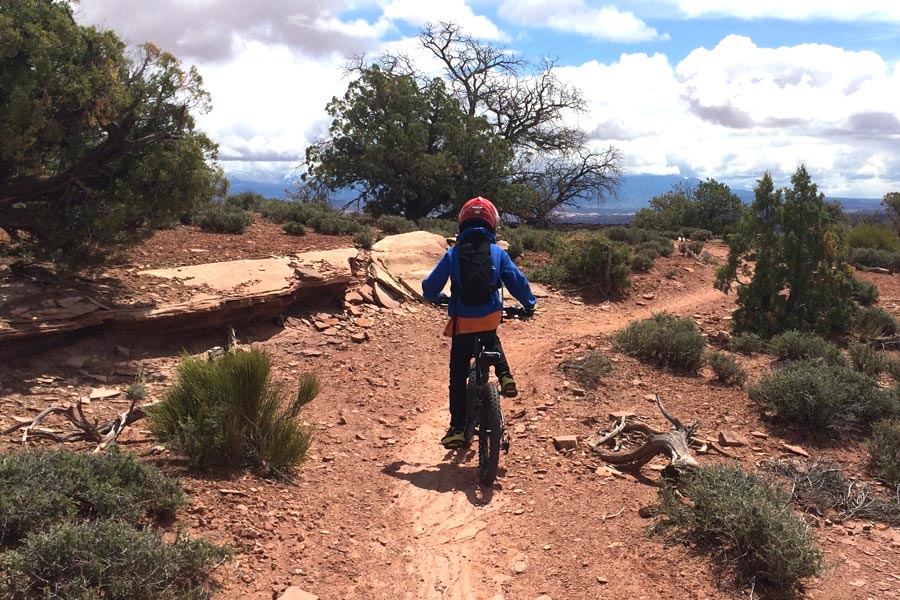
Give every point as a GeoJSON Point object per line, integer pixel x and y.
{"type": "Point", "coordinates": [822, 487]}
{"type": "Point", "coordinates": [102, 435]}
{"type": "Point", "coordinates": [674, 443]}
{"type": "Point", "coordinates": [605, 517]}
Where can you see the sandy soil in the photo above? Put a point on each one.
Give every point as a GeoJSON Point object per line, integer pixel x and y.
{"type": "Point", "coordinates": [381, 511]}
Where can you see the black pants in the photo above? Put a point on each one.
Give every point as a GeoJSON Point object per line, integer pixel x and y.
{"type": "Point", "coordinates": [461, 352]}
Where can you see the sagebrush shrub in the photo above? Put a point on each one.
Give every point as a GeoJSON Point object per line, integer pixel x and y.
{"type": "Point", "coordinates": [364, 238]}
{"type": "Point", "coordinates": [41, 488]}
{"type": "Point", "coordinates": [748, 525]}
{"type": "Point", "coordinates": [393, 224]}
{"type": "Point", "coordinates": [230, 411]}
{"type": "Point", "coordinates": [884, 450]}
{"type": "Point", "coordinates": [827, 398]}
{"type": "Point", "coordinates": [294, 228]}
{"type": "Point", "coordinates": [864, 293]}
{"type": "Point", "coordinates": [870, 257]}
{"type": "Point", "coordinates": [874, 322]}
{"type": "Point", "coordinates": [747, 343]}
{"type": "Point", "coordinates": [866, 359]}
{"type": "Point", "coordinates": [642, 261]}
{"type": "Point", "coordinates": [222, 218]}
{"type": "Point", "coordinates": [665, 339]}
{"type": "Point", "coordinates": [877, 237]}
{"type": "Point", "coordinates": [798, 345]}
{"type": "Point", "coordinates": [726, 368]}
{"type": "Point", "coordinates": [110, 560]}
{"type": "Point", "coordinates": [589, 369]}
{"type": "Point", "coordinates": [596, 262]}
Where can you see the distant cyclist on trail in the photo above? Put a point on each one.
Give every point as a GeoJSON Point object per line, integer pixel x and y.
{"type": "Point", "coordinates": [476, 267]}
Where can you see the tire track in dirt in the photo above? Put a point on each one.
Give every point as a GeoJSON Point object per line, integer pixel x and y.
{"type": "Point", "coordinates": [447, 516]}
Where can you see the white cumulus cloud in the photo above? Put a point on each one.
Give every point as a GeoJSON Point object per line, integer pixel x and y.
{"type": "Point", "coordinates": [576, 16]}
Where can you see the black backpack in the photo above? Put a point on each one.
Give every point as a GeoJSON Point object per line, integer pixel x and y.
{"type": "Point", "coordinates": [476, 269]}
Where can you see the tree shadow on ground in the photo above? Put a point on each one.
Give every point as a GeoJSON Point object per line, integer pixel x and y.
{"type": "Point", "coordinates": [450, 475]}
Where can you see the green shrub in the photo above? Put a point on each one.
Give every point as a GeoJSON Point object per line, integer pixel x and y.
{"type": "Point", "coordinates": [877, 237]}
{"type": "Point", "coordinates": [695, 234]}
{"type": "Point", "coordinates": [540, 240]}
{"type": "Point", "coordinates": [222, 218]}
{"type": "Point", "coordinates": [230, 411]}
{"type": "Point", "coordinates": [444, 227]}
{"type": "Point", "coordinates": [364, 238]}
{"type": "Point", "coordinates": [41, 488]}
{"type": "Point", "coordinates": [107, 559]}
{"type": "Point", "coordinates": [893, 367]}
{"type": "Point", "coordinates": [338, 224]}
{"type": "Point", "coordinates": [642, 261]}
{"type": "Point", "coordinates": [870, 257]}
{"type": "Point", "coordinates": [864, 293]}
{"type": "Point", "coordinates": [276, 211]}
{"type": "Point", "coordinates": [866, 359]}
{"type": "Point", "coordinates": [516, 249]}
{"type": "Point", "coordinates": [726, 368]}
{"type": "Point", "coordinates": [393, 224]}
{"type": "Point", "coordinates": [747, 343]}
{"type": "Point", "coordinates": [294, 228]}
{"type": "Point", "coordinates": [884, 450]}
{"type": "Point", "coordinates": [597, 263]}
{"type": "Point", "coordinates": [798, 345]}
{"type": "Point", "coordinates": [827, 398]}
{"type": "Point", "coordinates": [587, 370]}
{"type": "Point", "coordinates": [873, 322]}
{"type": "Point", "coordinates": [747, 523]}
{"type": "Point", "coordinates": [668, 340]}
{"type": "Point", "coordinates": [245, 200]}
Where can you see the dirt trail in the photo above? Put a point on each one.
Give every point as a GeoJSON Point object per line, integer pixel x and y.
{"type": "Point", "coordinates": [448, 517]}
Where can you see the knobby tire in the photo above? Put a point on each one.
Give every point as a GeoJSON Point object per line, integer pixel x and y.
{"type": "Point", "coordinates": [489, 435]}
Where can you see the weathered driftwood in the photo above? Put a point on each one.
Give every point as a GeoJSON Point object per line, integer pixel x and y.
{"type": "Point", "coordinates": [102, 435]}
{"type": "Point", "coordinates": [674, 443]}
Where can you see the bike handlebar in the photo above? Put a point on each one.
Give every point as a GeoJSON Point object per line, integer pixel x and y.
{"type": "Point", "coordinates": [509, 312]}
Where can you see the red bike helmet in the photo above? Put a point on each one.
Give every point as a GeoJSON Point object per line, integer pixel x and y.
{"type": "Point", "coordinates": [481, 209]}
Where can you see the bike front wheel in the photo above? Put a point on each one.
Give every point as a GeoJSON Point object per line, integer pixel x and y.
{"type": "Point", "coordinates": [490, 434]}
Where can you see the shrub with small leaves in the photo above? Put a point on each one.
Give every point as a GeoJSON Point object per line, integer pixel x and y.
{"type": "Point", "coordinates": [747, 342]}
{"type": "Point", "coordinates": [294, 228]}
{"type": "Point", "coordinates": [444, 227]}
{"type": "Point", "coordinates": [668, 340]}
{"type": "Point", "coordinates": [222, 218]}
{"type": "Point", "coordinates": [799, 345]}
{"type": "Point", "coordinates": [884, 450]}
{"type": "Point", "coordinates": [819, 397]}
{"type": "Point", "coordinates": [864, 293]}
{"type": "Point", "coordinates": [394, 224]}
{"type": "Point", "coordinates": [589, 369]}
{"type": "Point", "coordinates": [866, 359]}
{"type": "Point", "coordinates": [364, 238]}
{"type": "Point", "coordinates": [110, 560]}
{"type": "Point", "coordinates": [746, 523]}
{"type": "Point", "coordinates": [871, 257]}
{"type": "Point", "coordinates": [642, 261]}
{"type": "Point", "coordinates": [726, 368]}
{"type": "Point", "coordinates": [40, 488]}
{"type": "Point", "coordinates": [230, 411]}
{"type": "Point", "coordinates": [873, 322]}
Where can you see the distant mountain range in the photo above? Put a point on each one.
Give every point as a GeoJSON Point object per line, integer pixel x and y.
{"type": "Point", "coordinates": [633, 194]}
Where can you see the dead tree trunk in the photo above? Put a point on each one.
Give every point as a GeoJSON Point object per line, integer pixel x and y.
{"type": "Point", "coordinates": [674, 443]}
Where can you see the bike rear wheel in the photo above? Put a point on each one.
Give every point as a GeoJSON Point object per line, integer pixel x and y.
{"type": "Point", "coordinates": [490, 434]}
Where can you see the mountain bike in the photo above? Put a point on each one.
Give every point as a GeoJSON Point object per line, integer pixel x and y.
{"type": "Point", "coordinates": [484, 414]}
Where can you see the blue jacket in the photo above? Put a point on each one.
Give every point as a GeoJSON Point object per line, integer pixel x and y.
{"type": "Point", "coordinates": [504, 270]}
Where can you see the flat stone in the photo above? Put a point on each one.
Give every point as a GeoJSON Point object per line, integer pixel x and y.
{"type": "Point", "coordinates": [364, 322]}
{"type": "Point", "coordinates": [101, 393]}
{"type": "Point", "coordinates": [648, 296]}
{"type": "Point", "coordinates": [732, 438]}
{"type": "Point", "coordinates": [359, 338]}
{"type": "Point", "coordinates": [295, 593]}
{"type": "Point", "coordinates": [759, 434]}
{"type": "Point", "coordinates": [565, 442]}
{"type": "Point", "coordinates": [621, 414]}
{"type": "Point", "coordinates": [795, 450]}
{"type": "Point", "coordinates": [353, 297]}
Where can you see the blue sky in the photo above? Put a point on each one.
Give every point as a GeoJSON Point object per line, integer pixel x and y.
{"type": "Point", "coordinates": [698, 88]}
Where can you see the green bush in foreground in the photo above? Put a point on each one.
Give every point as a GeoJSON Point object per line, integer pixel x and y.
{"type": "Point", "coordinates": [596, 263]}
{"type": "Point", "coordinates": [229, 411]}
{"type": "Point", "coordinates": [747, 343]}
{"type": "Point", "coordinates": [670, 341]}
{"type": "Point", "coordinates": [866, 359]}
{"type": "Point", "coordinates": [364, 238]}
{"type": "Point", "coordinates": [589, 369]}
{"type": "Point", "coordinates": [726, 368]}
{"type": "Point", "coordinates": [746, 523]}
{"type": "Point", "coordinates": [106, 559]}
{"type": "Point", "coordinates": [865, 293]}
{"type": "Point", "coordinates": [820, 397]}
{"type": "Point", "coordinates": [884, 450]}
{"type": "Point", "coordinates": [294, 228]}
{"type": "Point", "coordinates": [41, 488]}
{"type": "Point", "coordinates": [798, 345]}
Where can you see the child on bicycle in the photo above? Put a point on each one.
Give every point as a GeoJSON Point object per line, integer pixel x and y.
{"type": "Point", "coordinates": [476, 267]}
